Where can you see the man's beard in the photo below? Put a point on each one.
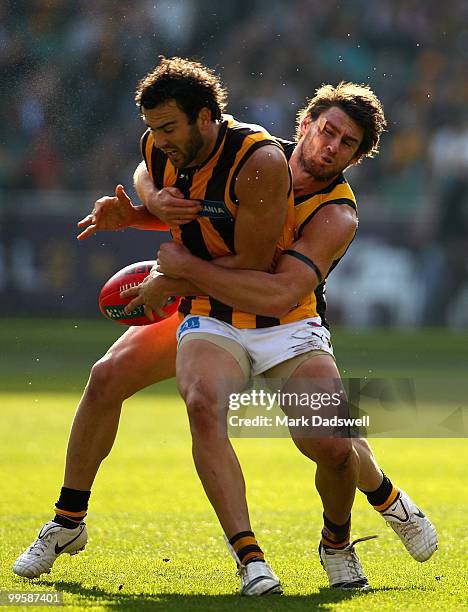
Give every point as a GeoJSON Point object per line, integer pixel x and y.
{"type": "Point", "coordinates": [194, 146]}
{"type": "Point", "coordinates": [316, 171]}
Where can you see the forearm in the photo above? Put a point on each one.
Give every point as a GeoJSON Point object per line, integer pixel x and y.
{"type": "Point", "coordinates": [239, 261]}
{"type": "Point", "coordinates": [144, 186]}
{"type": "Point", "coordinates": [144, 220]}
{"type": "Point", "coordinates": [252, 291]}
{"type": "Point", "coordinates": [180, 287]}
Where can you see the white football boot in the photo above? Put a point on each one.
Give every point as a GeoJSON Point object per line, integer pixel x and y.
{"type": "Point", "coordinates": [412, 526]}
{"type": "Point", "coordinates": [344, 570]}
{"type": "Point", "coordinates": [257, 577]}
{"type": "Point", "coordinates": [52, 541]}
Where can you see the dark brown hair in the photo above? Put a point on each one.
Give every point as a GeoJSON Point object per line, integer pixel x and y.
{"type": "Point", "coordinates": [189, 83]}
{"type": "Point", "coordinates": [359, 102]}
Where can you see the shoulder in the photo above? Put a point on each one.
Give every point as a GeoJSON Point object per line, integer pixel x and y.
{"type": "Point", "coordinates": [288, 146]}
{"type": "Point", "coordinates": [335, 220]}
{"type": "Point", "coordinates": [250, 132]}
{"type": "Point", "coordinates": [268, 160]}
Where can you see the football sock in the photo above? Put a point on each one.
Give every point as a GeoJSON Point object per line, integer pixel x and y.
{"type": "Point", "coordinates": [335, 536]}
{"type": "Point", "coordinates": [71, 507]}
{"type": "Point", "coordinates": [246, 547]}
{"type": "Point", "coordinates": [384, 496]}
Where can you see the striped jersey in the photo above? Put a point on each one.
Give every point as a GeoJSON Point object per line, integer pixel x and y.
{"type": "Point", "coordinates": [305, 208]}
{"type": "Point", "coordinates": [211, 235]}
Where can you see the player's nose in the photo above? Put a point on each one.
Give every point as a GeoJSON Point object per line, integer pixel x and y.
{"type": "Point", "coordinates": [160, 142]}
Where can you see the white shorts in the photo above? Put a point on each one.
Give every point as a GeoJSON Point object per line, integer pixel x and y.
{"type": "Point", "coordinates": [264, 347]}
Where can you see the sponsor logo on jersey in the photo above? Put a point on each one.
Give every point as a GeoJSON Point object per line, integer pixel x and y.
{"type": "Point", "coordinates": [214, 209]}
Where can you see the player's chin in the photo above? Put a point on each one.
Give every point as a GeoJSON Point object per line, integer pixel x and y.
{"type": "Point", "coordinates": [326, 172]}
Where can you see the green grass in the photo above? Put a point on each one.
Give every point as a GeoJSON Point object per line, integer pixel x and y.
{"type": "Point", "coordinates": [148, 505]}
{"type": "Point", "coordinates": [45, 355]}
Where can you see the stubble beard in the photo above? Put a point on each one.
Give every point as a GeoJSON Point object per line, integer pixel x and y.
{"type": "Point", "coordinates": [315, 170]}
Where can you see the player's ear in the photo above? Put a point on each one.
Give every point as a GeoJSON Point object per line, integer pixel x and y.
{"type": "Point", "coordinates": [305, 124]}
{"type": "Point", "coordinates": [204, 118]}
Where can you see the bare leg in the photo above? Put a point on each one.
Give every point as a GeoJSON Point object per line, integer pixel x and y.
{"type": "Point", "coordinates": [370, 475]}
{"type": "Point", "coordinates": [139, 358]}
{"type": "Point", "coordinates": [201, 366]}
{"type": "Point", "coordinates": [336, 458]}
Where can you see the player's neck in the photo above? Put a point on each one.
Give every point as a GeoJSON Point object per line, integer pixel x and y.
{"type": "Point", "coordinates": [304, 183]}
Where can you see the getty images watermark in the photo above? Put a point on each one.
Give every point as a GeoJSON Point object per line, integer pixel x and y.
{"type": "Point", "coordinates": [353, 407]}
{"type": "Point", "coordinates": [305, 402]}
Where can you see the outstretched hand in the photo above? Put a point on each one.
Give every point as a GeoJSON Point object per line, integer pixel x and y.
{"type": "Point", "coordinates": [110, 213]}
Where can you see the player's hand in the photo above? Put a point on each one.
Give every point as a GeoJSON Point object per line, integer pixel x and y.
{"type": "Point", "coordinates": [170, 206]}
{"type": "Point", "coordinates": [173, 259]}
{"type": "Point", "coordinates": [149, 294]}
{"type": "Point", "coordinates": [110, 213]}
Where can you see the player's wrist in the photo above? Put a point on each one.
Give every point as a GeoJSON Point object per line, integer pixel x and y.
{"type": "Point", "coordinates": [152, 203]}
{"type": "Point", "coordinates": [193, 268]}
{"type": "Point", "coordinates": [137, 214]}
{"type": "Point", "coordinates": [166, 286]}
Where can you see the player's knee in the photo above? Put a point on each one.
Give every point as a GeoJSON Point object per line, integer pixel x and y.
{"type": "Point", "coordinates": [200, 400]}
{"type": "Point", "coordinates": [333, 453]}
{"type": "Point", "coordinates": [107, 380]}
{"type": "Point", "coordinates": [337, 454]}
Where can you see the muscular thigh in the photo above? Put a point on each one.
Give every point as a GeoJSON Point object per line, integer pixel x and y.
{"type": "Point", "coordinates": [318, 379]}
{"type": "Point", "coordinates": [318, 374]}
{"type": "Point", "coordinates": [208, 369]}
{"type": "Point", "coordinates": [145, 355]}
{"type": "Point", "coordinates": [317, 367]}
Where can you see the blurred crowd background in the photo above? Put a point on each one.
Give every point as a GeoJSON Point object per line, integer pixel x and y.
{"type": "Point", "coordinates": [70, 132]}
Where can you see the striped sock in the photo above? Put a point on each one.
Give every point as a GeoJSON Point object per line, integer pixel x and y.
{"type": "Point", "coordinates": [246, 547]}
{"type": "Point", "coordinates": [335, 536]}
{"type": "Point", "coordinates": [384, 495]}
{"type": "Point", "coordinates": [71, 507]}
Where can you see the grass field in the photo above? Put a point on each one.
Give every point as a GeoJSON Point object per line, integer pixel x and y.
{"type": "Point", "coordinates": [154, 541]}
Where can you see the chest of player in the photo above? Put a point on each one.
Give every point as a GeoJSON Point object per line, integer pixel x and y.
{"type": "Point", "coordinates": [210, 186]}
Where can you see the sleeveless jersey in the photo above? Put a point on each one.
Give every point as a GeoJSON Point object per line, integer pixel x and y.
{"type": "Point", "coordinates": [211, 235]}
{"type": "Point", "coordinates": [305, 208]}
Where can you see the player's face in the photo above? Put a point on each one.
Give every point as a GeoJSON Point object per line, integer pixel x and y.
{"type": "Point", "coordinates": [329, 144]}
{"type": "Point", "coordinates": [180, 140]}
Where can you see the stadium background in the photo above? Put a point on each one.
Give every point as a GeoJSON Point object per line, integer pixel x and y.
{"type": "Point", "coordinates": [70, 133]}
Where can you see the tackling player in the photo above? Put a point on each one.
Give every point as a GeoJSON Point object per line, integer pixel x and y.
{"type": "Point", "coordinates": [339, 127]}
{"type": "Point", "coordinates": [146, 355]}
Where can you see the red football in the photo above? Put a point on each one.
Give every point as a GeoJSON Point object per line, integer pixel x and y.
{"type": "Point", "coordinates": [112, 305]}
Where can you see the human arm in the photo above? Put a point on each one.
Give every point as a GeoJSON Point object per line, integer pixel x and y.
{"type": "Point", "coordinates": [160, 210]}
{"type": "Point", "coordinates": [113, 213]}
{"type": "Point", "coordinates": [167, 204]}
{"type": "Point", "coordinates": [324, 239]}
{"type": "Point", "coordinates": [261, 188]}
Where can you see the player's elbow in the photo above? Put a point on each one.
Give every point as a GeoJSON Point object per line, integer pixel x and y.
{"type": "Point", "coordinates": [258, 261]}
{"type": "Point", "coordinates": [280, 305]}
{"type": "Point", "coordinates": [288, 295]}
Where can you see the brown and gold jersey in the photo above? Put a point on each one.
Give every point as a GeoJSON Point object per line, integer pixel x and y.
{"type": "Point", "coordinates": [211, 235]}
{"type": "Point", "coordinates": [305, 208]}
